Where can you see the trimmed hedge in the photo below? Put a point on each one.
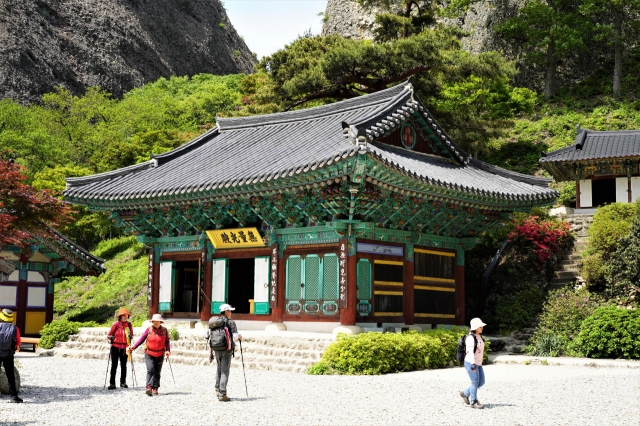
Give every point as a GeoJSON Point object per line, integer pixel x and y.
{"type": "Point", "coordinates": [609, 332]}
{"type": "Point", "coordinates": [381, 353]}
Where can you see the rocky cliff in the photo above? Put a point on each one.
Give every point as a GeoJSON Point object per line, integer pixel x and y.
{"type": "Point", "coordinates": [115, 44]}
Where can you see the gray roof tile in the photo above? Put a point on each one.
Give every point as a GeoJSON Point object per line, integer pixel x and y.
{"type": "Point", "coordinates": [595, 145]}
{"type": "Point", "coordinates": [242, 150]}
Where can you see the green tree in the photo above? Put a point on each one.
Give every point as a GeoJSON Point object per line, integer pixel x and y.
{"type": "Point", "coordinates": [469, 94]}
{"type": "Point", "coordinates": [549, 30]}
{"type": "Point", "coordinates": [619, 24]}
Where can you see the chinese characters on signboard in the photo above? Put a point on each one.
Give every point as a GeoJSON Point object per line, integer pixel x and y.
{"type": "Point", "coordinates": [342, 303]}
{"type": "Point", "coordinates": [150, 281]}
{"type": "Point", "coordinates": [235, 238]}
{"type": "Point", "coordinates": [273, 295]}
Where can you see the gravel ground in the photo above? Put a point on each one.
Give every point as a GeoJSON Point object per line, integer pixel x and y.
{"type": "Point", "coordinates": [69, 391]}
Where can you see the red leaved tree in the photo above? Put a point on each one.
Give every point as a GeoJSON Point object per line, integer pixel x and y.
{"type": "Point", "coordinates": [24, 210]}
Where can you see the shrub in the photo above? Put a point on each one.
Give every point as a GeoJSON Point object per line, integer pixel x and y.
{"type": "Point", "coordinates": [59, 331]}
{"type": "Point", "coordinates": [547, 344]}
{"type": "Point", "coordinates": [542, 238]}
{"type": "Point", "coordinates": [562, 315]}
{"type": "Point", "coordinates": [376, 353]}
{"type": "Point", "coordinates": [622, 274]}
{"type": "Point", "coordinates": [173, 332]}
{"type": "Point", "coordinates": [610, 332]}
{"type": "Point", "coordinates": [519, 310]}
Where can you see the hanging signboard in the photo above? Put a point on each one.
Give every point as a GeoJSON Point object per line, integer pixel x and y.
{"type": "Point", "coordinates": [273, 295]}
{"type": "Point", "coordinates": [235, 238]}
{"type": "Point", "coordinates": [342, 261]}
{"type": "Point", "coordinates": [150, 281]}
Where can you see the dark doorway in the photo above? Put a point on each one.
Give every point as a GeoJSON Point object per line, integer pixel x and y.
{"type": "Point", "coordinates": [185, 296]}
{"type": "Point", "coordinates": [603, 191]}
{"type": "Point", "coordinates": [241, 277]}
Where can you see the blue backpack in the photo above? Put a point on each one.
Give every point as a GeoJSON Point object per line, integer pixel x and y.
{"type": "Point", "coordinates": [7, 339]}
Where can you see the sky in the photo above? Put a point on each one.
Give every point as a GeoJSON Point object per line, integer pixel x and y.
{"type": "Point", "coordinates": [268, 25]}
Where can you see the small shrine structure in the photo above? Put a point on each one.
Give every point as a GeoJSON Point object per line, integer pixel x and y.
{"type": "Point", "coordinates": [605, 165]}
{"type": "Point", "coordinates": [31, 273]}
{"type": "Point", "coordinates": [353, 213]}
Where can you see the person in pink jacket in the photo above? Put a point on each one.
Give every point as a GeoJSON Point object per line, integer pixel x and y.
{"type": "Point", "coordinates": [473, 363]}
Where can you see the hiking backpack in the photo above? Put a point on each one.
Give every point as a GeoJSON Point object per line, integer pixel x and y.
{"type": "Point", "coordinates": [461, 350]}
{"type": "Point", "coordinates": [219, 336]}
{"type": "Point", "coordinates": [7, 339]}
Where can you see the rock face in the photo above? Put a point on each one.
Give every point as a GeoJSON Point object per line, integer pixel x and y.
{"type": "Point", "coordinates": [115, 44]}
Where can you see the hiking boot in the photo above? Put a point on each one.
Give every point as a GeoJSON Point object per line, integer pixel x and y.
{"type": "Point", "coordinates": [111, 387]}
{"type": "Point", "coordinates": [476, 404]}
{"type": "Point", "coordinates": [224, 398]}
{"type": "Point", "coordinates": [149, 391]}
{"type": "Point", "coordinates": [123, 385]}
{"type": "Point", "coordinates": [465, 397]}
{"type": "Point", "coordinates": [155, 392]}
{"type": "Point", "coordinates": [16, 399]}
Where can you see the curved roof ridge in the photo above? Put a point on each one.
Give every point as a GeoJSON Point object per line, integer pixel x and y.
{"type": "Point", "coordinates": [83, 180]}
{"type": "Point", "coordinates": [310, 113]}
{"type": "Point", "coordinates": [520, 177]}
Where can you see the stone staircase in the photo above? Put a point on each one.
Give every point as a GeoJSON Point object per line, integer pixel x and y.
{"type": "Point", "coordinates": [284, 351]}
{"type": "Point", "coordinates": [569, 271]}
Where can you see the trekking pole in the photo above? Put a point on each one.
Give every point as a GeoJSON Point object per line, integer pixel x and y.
{"type": "Point", "coordinates": [107, 372]}
{"type": "Point", "coordinates": [243, 373]}
{"type": "Point", "coordinates": [171, 369]}
{"type": "Point", "coordinates": [133, 372]}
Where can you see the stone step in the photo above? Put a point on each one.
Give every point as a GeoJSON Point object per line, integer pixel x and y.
{"type": "Point", "coordinates": [570, 266]}
{"type": "Point", "coordinates": [566, 275]}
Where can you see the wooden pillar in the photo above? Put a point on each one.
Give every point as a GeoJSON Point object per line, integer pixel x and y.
{"type": "Point", "coordinates": [155, 291]}
{"type": "Point", "coordinates": [205, 313]}
{"type": "Point", "coordinates": [577, 193]}
{"type": "Point", "coordinates": [21, 317]}
{"type": "Point", "coordinates": [348, 314]}
{"type": "Point", "coordinates": [409, 270]}
{"type": "Point", "coordinates": [277, 312]}
{"type": "Point", "coordinates": [629, 188]}
{"type": "Point", "coordinates": [460, 313]}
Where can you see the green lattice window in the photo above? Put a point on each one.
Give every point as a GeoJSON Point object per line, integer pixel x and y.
{"type": "Point", "coordinates": [312, 278]}
{"type": "Point", "coordinates": [294, 278]}
{"type": "Point", "coordinates": [363, 270]}
{"type": "Point", "coordinates": [330, 275]}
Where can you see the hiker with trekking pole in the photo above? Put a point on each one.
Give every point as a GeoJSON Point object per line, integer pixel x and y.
{"type": "Point", "coordinates": [119, 336]}
{"type": "Point", "coordinates": [221, 335]}
{"type": "Point", "coordinates": [157, 347]}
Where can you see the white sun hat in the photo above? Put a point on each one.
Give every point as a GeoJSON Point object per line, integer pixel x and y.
{"type": "Point", "coordinates": [226, 307]}
{"type": "Point", "coordinates": [157, 317]}
{"type": "Point", "coordinates": [476, 323]}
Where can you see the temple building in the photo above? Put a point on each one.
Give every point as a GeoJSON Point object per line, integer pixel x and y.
{"type": "Point", "coordinates": [28, 276]}
{"type": "Point", "coordinates": [604, 165]}
{"type": "Point", "coordinates": [356, 213]}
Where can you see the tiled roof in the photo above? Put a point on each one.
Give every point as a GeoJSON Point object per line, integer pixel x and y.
{"type": "Point", "coordinates": [95, 263]}
{"type": "Point", "coordinates": [594, 145]}
{"type": "Point", "coordinates": [6, 267]}
{"type": "Point", "coordinates": [263, 148]}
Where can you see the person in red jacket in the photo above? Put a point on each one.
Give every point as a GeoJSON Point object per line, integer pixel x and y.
{"type": "Point", "coordinates": [156, 348]}
{"type": "Point", "coordinates": [120, 336]}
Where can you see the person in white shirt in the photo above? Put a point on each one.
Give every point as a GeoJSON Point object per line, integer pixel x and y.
{"type": "Point", "coordinates": [473, 363]}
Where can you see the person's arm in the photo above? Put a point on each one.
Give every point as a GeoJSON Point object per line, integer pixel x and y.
{"type": "Point", "coordinates": [112, 331]}
{"type": "Point", "coordinates": [234, 330]}
{"type": "Point", "coordinates": [18, 341]}
{"type": "Point", "coordinates": [141, 339]}
{"type": "Point", "coordinates": [469, 345]}
{"type": "Point", "coordinates": [167, 344]}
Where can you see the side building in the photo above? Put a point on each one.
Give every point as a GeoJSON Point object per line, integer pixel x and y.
{"type": "Point", "coordinates": [28, 284]}
{"type": "Point", "coordinates": [605, 165]}
{"type": "Point", "coordinates": [353, 213]}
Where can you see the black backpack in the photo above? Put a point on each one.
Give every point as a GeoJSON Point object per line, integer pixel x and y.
{"type": "Point", "coordinates": [219, 336]}
{"type": "Point", "coordinates": [461, 350]}
{"type": "Point", "coordinates": [7, 339]}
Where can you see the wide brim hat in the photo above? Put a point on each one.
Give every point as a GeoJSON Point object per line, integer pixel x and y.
{"type": "Point", "coordinates": [123, 311]}
{"type": "Point", "coordinates": [226, 307]}
{"type": "Point", "coordinates": [476, 323]}
{"type": "Point", "coordinates": [157, 317]}
{"type": "Point", "coordinates": [6, 315]}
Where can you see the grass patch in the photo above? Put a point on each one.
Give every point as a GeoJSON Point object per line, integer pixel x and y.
{"type": "Point", "coordinates": [81, 299]}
